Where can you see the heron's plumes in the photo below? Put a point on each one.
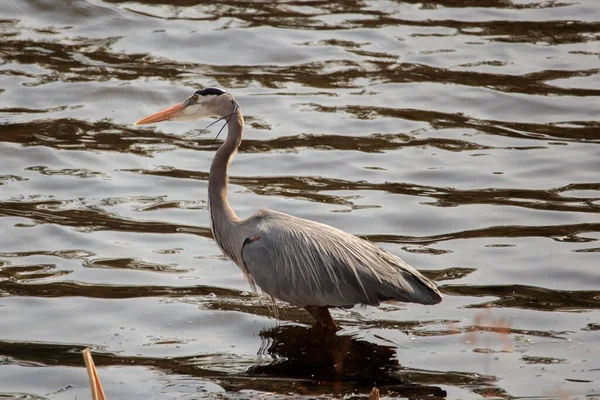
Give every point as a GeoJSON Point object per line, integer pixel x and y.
{"type": "Point", "coordinates": [307, 263]}
{"type": "Point", "coordinates": [210, 91]}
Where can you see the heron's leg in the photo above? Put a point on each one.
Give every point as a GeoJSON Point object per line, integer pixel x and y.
{"type": "Point", "coordinates": [323, 317]}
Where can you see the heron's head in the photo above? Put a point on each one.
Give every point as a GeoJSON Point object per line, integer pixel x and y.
{"type": "Point", "coordinates": [209, 102]}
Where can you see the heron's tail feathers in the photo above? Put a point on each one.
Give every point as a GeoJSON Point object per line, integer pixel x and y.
{"type": "Point", "coordinates": [412, 288]}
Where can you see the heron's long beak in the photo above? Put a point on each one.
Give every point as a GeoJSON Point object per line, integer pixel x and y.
{"type": "Point", "coordinates": [162, 115]}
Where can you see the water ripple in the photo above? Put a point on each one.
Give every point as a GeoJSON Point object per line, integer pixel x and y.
{"type": "Point", "coordinates": [468, 123]}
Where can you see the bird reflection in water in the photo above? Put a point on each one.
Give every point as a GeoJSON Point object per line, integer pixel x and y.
{"type": "Point", "coordinates": [343, 360]}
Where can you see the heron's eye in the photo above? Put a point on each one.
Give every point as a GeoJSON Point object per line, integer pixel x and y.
{"type": "Point", "coordinates": [195, 98]}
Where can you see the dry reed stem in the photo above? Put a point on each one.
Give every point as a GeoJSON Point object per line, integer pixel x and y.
{"type": "Point", "coordinates": [95, 385]}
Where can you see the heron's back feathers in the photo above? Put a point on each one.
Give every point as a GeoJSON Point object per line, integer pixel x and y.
{"type": "Point", "coordinates": [305, 263]}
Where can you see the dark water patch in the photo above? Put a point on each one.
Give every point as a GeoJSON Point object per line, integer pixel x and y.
{"type": "Point", "coordinates": [181, 205]}
{"type": "Point", "coordinates": [260, 185]}
{"type": "Point", "coordinates": [66, 254]}
{"type": "Point", "coordinates": [308, 187]}
{"type": "Point", "coordinates": [529, 297]}
{"type": "Point", "coordinates": [4, 179]}
{"type": "Point", "coordinates": [99, 291]}
{"type": "Point", "coordinates": [588, 250]}
{"type": "Point", "coordinates": [153, 203]}
{"type": "Point", "coordinates": [575, 131]}
{"type": "Point", "coordinates": [134, 264]}
{"type": "Point", "coordinates": [291, 15]}
{"type": "Point", "coordinates": [22, 110]}
{"type": "Point", "coordinates": [29, 273]}
{"type": "Point", "coordinates": [563, 233]}
{"type": "Point", "coordinates": [27, 396]}
{"type": "Point", "coordinates": [587, 53]}
{"type": "Point", "coordinates": [348, 73]}
{"type": "Point", "coordinates": [542, 360]}
{"type": "Point", "coordinates": [367, 144]}
{"type": "Point", "coordinates": [74, 172]}
{"type": "Point", "coordinates": [106, 136]}
{"type": "Point", "coordinates": [84, 60]}
{"type": "Point", "coordinates": [453, 329]}
{"type": "Point", "coordinates": [168, 251]}
{"type": "Point", "coordinates": [349, 6]}
{"type": "Point", "coordinates": [92, 60]}
{"type": "Point", "coordinates": [273, 15]}
{"type": "Point", "coordinates": [448, 273]}
{"type": "Point", "coordinates": [553, 32]}
{"type": "Point", "coordinates": [413, 328]}
{"type": "Point", "coordinates": [116, 201]}
{"type": "Point", "coordinates": [425, 250]}
{"type": "Point", "coordinates": [578, 380]}
{"type": "Point", "coordinates": [499, 4]}
{"type": "Point", "coordinates": [90, 219]}
{"type": "Point", "coordinates": [71, 134]}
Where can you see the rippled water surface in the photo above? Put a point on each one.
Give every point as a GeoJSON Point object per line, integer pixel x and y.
{"type": "Point", "coordinates": [461, 135]}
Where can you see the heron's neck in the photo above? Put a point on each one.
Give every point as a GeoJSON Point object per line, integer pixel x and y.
{"type": "Point", "coordinates": [220, 209]}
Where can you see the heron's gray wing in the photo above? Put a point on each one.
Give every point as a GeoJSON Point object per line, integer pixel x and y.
{"type": "Point", "coordinates": [307, 263]}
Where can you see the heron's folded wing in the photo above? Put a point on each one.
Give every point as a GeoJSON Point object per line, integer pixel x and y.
{"type": "Point", "coordinates": [307, 263]}
{"type": "Point", "coordinates": [296, 275]}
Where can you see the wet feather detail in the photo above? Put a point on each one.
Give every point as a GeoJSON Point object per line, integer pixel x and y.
{"type": "Point", "coordinates": [304, 263]}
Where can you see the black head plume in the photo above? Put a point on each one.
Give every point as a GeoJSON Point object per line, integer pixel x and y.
{"type": "Point", "coordinates": [211, 91]}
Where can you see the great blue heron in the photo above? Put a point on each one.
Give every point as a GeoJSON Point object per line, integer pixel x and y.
{"type": "Point", "coordinates": [302, 262]}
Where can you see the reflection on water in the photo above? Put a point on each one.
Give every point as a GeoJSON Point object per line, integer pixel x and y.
{"type": "Point", "coordinates": [301, 360]}
{"type": "Point", "coordinates": [462, 136]}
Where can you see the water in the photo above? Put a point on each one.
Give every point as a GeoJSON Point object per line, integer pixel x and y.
{"type": "Point", "coordinates": [462, 136]}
